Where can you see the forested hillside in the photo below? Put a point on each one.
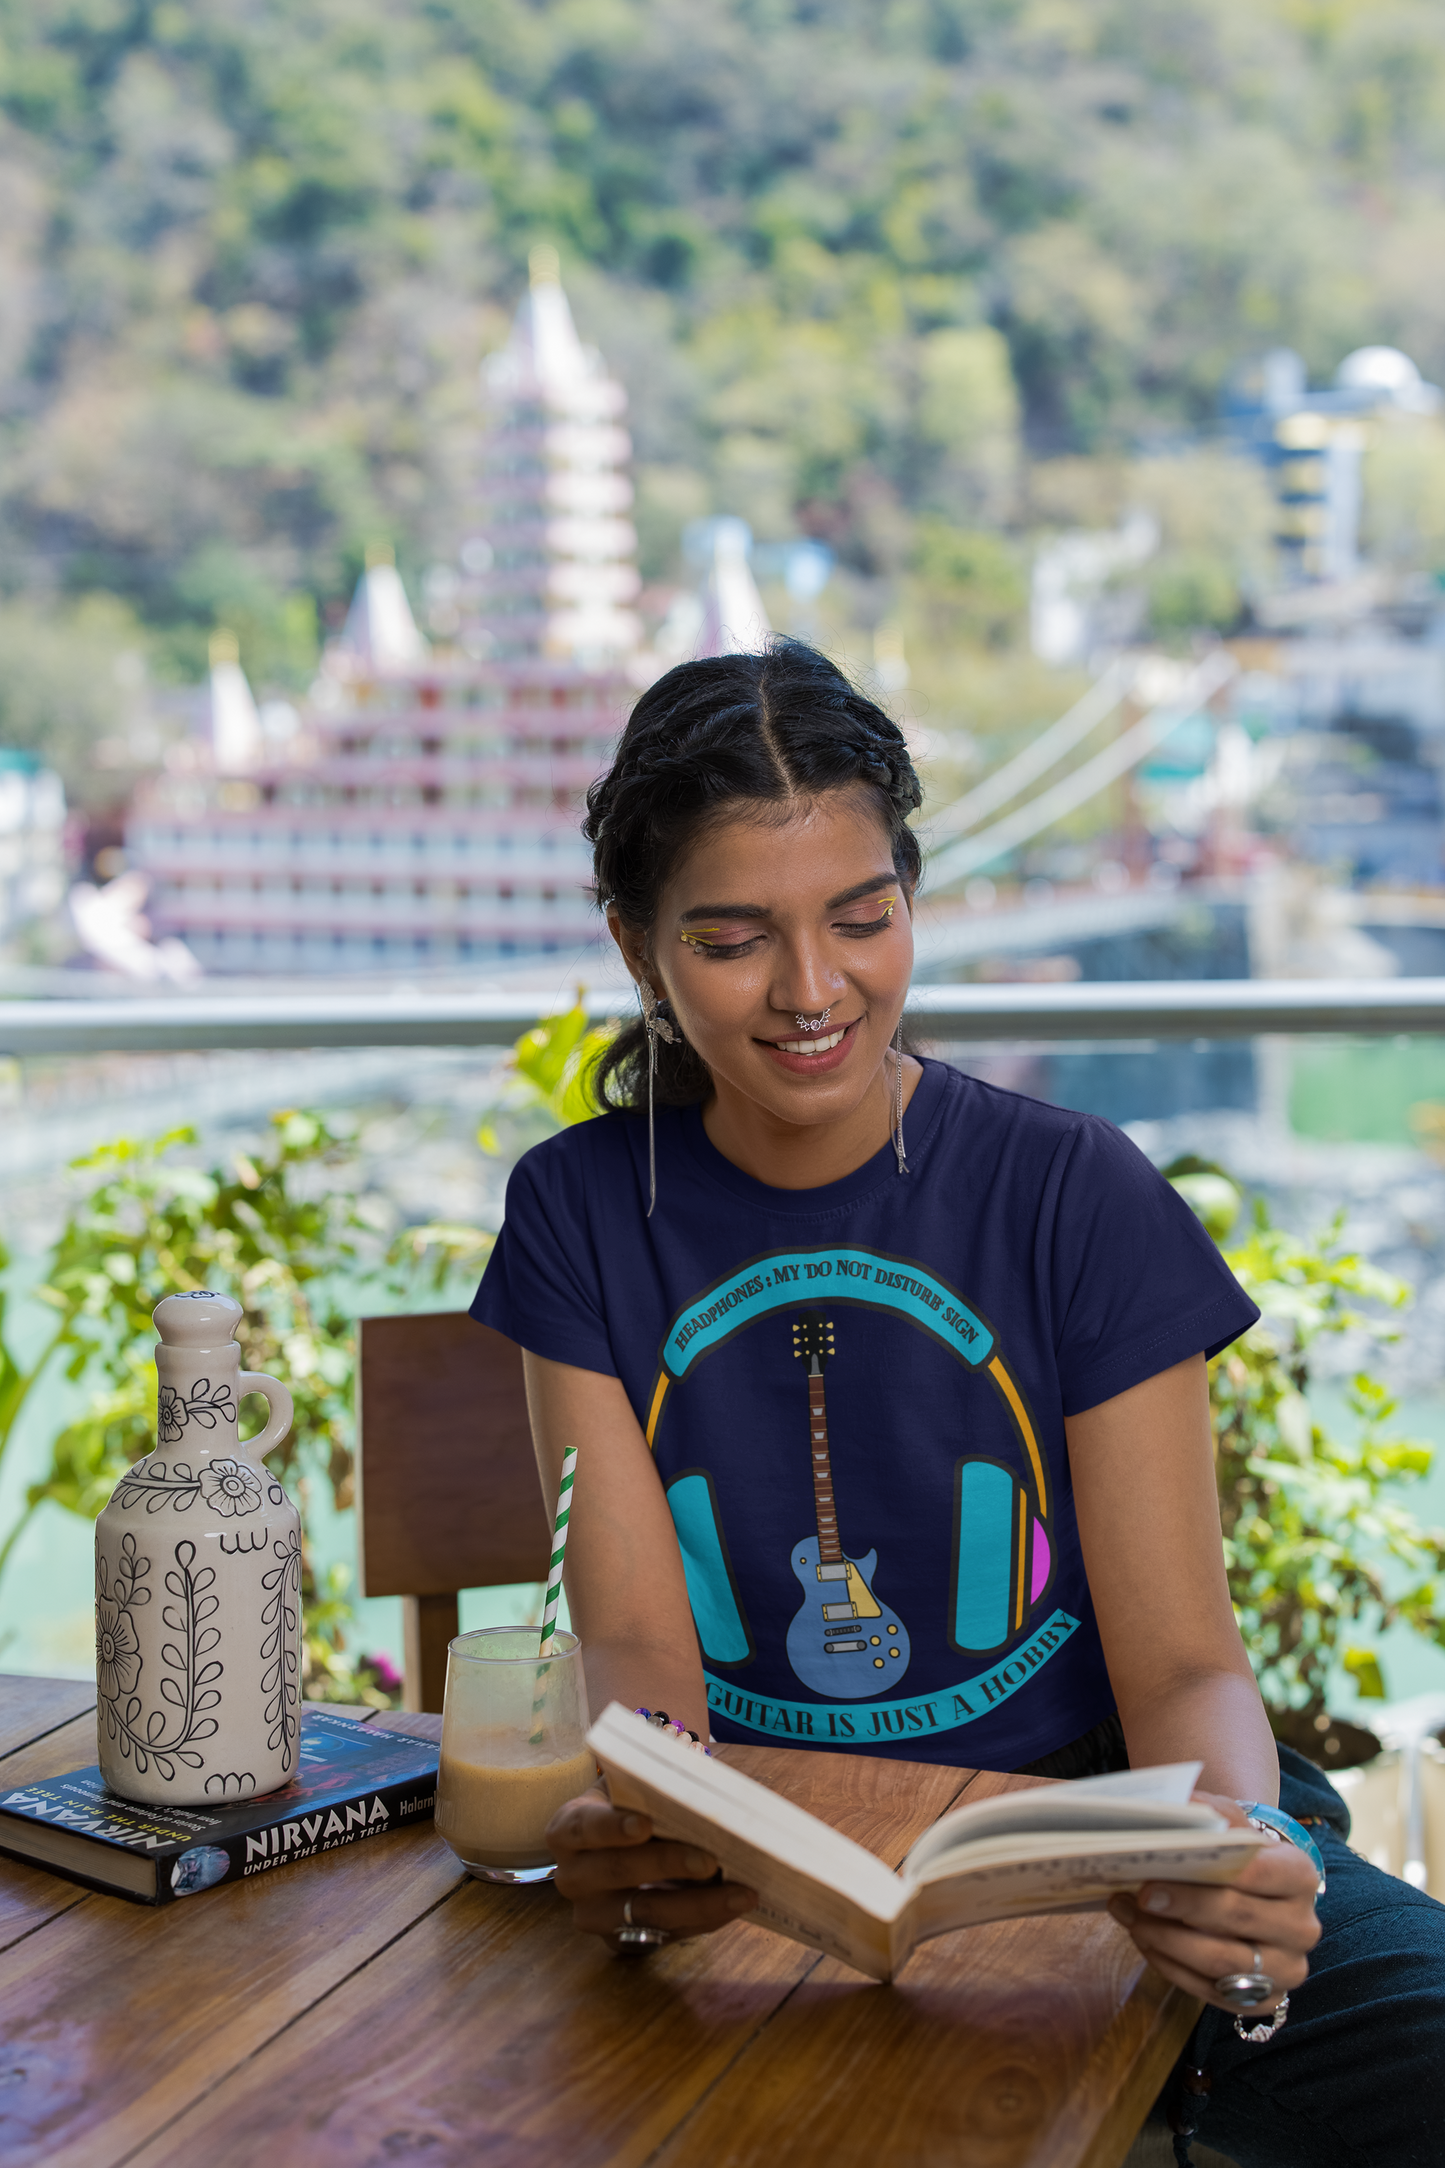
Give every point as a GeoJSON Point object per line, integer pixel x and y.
{"type": "Point", "coordinates": [916, 276]}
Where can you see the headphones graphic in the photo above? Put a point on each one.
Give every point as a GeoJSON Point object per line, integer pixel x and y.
{"type": "Point", "coordinates": [1003, 1559]}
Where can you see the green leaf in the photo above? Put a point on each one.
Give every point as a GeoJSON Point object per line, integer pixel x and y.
{"type": "Point", "coordinates": [1212, 1197]}
{"type": "Point", "coordinates": [573, 1099]}
{"type": "Point", "coordinates": [1363, 1667]}
{"type": "Point", "coordinates": [542, 1053]}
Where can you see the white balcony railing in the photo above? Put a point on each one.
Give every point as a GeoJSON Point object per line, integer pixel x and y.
{"type": "Point", "coordinates": [1134, 1010]}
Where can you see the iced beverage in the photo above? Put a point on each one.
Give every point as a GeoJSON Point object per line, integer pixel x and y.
{"type": "Point", "coordinates": [513, 1752]}
{"type": "Point", "coordinates": [493, 1807]}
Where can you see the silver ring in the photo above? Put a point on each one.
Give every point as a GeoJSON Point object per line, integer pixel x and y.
{"type": "Point", "coordinates": [1245, 1990]}
{"type": "Point", "coordinates": [638, 1938]}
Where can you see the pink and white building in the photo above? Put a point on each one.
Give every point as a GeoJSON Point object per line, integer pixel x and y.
{"type": "Point", "coordinates": [423, 811]}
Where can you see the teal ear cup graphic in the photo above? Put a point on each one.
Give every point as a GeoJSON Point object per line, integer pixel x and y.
{"type": "Point", "coordinates": [711, 1589]}
{"type": "Point", "coordinates": [1002, 1557]}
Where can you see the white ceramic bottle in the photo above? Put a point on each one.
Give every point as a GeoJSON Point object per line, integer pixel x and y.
{"type": "Point", "coordinates": [198, 1584]}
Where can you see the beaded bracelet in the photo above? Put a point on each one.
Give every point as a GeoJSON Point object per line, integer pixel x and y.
{"type": "Point", "coordinates": [661, 1721]}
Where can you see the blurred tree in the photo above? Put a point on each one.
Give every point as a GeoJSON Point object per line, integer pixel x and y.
{"type": "Point", "coordinates": [1191, 590]}
{"type": "Point", "coordinates": [1216, 516]}
{"type": "Point", "coordinates": [968, 423]}
{"type": "Point", "coordinates": [73, 688]}
{"type": "Point", "coordinates": [849, 260]}
{"type": "Point", "coordinates": [1404, 519]}
{"type": "Point", "coordinates": [971, 585]}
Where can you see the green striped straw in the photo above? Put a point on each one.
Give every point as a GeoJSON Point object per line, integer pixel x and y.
{"type": "Point", "coordinates": [559, 1550]}
{"type": "Point", "coordinates": [554, 1583]}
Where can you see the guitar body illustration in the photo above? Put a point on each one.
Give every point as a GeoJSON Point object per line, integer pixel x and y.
{"type": "Point", "coordinates": [843, 1642]}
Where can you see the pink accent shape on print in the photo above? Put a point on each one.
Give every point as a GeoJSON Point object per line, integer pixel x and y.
{"type": "Point", "coordinates": [1043, 1560]}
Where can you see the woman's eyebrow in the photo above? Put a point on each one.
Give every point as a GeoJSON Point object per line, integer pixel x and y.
{"type": "Point", "coordinates": [757, 910]}
{"type": "Point", "coordinates": [864, 888]}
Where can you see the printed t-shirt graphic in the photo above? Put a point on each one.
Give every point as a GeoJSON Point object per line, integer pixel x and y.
{"type": "Point", "coordinates": [1030, 1265]}
{"type": "Point", "coordinates": [845, 1641]}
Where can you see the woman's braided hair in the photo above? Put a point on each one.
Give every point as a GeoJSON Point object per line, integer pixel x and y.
{"type": "Point", "coordinates": [706, 741]}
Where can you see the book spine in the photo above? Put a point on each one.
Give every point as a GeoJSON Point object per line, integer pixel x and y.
{"type": "Point", "coordinates": [302, 1836]}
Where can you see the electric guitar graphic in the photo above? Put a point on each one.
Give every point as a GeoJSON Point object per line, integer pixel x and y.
{"type": "Point", "coordinates": [843, 1642]}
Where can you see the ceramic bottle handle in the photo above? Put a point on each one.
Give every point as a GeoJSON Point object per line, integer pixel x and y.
{"type": "Point", "coordinates": [256, 1381]}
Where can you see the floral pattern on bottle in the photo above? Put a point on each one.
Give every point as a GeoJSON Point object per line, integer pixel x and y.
{"type": "Point", "coordinates": [206, 1404]}
{"type": "Point", "coordinates": [281, 1648]}
{"type": "Point", "coordinates": [227, 1486]}
{"type": "Point", "coordinates": [188, 1687]}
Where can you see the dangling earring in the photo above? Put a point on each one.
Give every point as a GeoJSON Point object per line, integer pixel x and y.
{"type": "Point", "coordinates": [898, 1098]}
{"type": "Point", "coordinates": [657, 1027]}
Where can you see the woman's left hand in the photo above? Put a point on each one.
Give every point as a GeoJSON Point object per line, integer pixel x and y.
{"type": "Point", "coordinates": [1196, 1932]}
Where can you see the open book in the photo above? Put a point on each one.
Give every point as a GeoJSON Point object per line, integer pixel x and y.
{"type": "Point", "coordinates": [1054, 1848]}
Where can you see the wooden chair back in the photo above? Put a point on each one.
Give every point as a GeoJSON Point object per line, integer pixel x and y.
{"type": "Point", "coordinates": [447, 1491]}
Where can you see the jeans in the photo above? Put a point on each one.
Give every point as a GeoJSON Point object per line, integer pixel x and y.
{"type": "Point", "coordinates": [1356, 2077]}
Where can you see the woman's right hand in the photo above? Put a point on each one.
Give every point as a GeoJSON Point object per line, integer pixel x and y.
{"type": "Point", "coordinates": [607, 1855]}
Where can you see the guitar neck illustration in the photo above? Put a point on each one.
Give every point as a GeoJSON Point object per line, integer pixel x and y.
{"type": "Point", "coordinates": [853, 1599]}
{"type": "Point", "coordinates": [831, 1563]}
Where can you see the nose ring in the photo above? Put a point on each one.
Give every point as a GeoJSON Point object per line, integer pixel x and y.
{"type": "Point", "coordinates": [804, 1024]}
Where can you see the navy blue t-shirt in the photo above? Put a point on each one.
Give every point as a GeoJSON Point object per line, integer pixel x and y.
{"type": "Point", "coordinates": [856, 1398]}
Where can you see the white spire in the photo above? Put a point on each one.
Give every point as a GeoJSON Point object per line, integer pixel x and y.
{"type": "Point", "coordinates": [734, 621]}
{"type": "Point", "coordinates": [559, 548]}
{"type": "Point", "coordinates": [545, 360]}
{"type": "Point", "coordinates": [380, 629]}
{"type": "Point", "coordinates": [235, 724]}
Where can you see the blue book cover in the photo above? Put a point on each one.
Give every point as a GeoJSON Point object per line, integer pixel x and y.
{"type": "Point", "coordinates": [354, 1782]}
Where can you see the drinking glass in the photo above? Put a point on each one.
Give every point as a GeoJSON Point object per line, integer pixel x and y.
{"type": "Point", "coordinates": [513, 1752]}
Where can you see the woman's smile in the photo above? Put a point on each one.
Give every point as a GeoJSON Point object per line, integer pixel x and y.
{"type": "Point", "coordinates": [810, 1057]}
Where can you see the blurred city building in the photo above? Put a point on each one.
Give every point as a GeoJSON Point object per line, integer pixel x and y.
{"type": "Point", "coordinates": [421, 809]}
{"type": "Point", "coordinates": [1358, 724]}
{"type": "Point", "coordinates": [32, 842]}
{"type": "Point", "coordinates": [1313, 444]}
{"type": "Point", "coordinates": [1080, 600]}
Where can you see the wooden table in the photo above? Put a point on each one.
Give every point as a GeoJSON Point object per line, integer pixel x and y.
{"type": "Point", "coordinates": [377, 2007]}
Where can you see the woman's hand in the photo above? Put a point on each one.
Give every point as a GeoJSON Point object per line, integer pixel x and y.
{"type": "Point", "coordinates": [1195, 1933]}
{"type": "Point", "coordinates": [606, 1856]}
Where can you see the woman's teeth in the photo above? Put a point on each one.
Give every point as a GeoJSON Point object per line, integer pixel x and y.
{"type": "Point", "coordinates": [811, 1046]}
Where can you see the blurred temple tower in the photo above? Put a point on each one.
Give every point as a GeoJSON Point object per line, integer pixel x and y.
{"type": "Point", "coordinates": [423, 812]}
{"type": "Point", "coordinates": [551, 569]}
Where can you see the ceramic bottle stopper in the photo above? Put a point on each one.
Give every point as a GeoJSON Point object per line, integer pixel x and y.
{"type": "Point", "coordinates": [198, 1584]}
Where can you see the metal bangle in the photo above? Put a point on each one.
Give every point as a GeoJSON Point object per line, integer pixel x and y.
{"type": "Point", "coordinates": [1274, 1822]}
{"type": "Point", "coordinates": [1256, 2035]}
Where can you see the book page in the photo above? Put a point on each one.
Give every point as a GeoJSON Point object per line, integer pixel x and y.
{"type": "Point", "coordinates": [815, 1885]}
{"type": "Point", "coordinates": [1063, 1874]}
{"type": "Point", "coordinates": [1132, 1799]}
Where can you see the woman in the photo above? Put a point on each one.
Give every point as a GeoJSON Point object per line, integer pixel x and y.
{"type": "Point", "coordinates": [890, 1395]}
